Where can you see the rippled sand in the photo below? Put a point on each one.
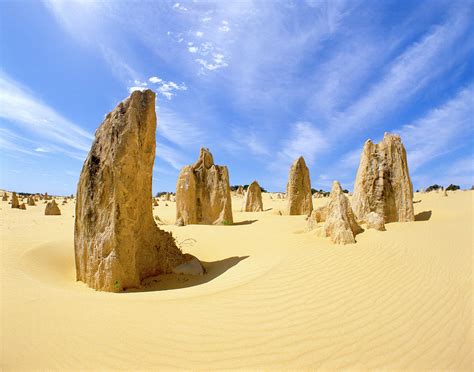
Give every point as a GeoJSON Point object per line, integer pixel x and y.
{"type": "Point", "coordinates": [274, 297]}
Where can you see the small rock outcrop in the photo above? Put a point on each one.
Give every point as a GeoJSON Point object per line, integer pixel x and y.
{"type": "Point", "coordinates": [117, 243]}
{"type": "Point", "coordinates": [203, 193]}
{"type": "Point", "coordinates": [318, 215]}
{"type": "Point", "coordinates": [52, 209]}
{"type": "Point", "coordinates": [31, 201]}
{"type": "Point", "coordinates": [253, 198]}
{"type": "Point", "coordinates": [5, 197]}
{"type": "Point", "coordinates": [298, 189]}
{"type": "Point", "coordinates": [341, 225]}
{"type": "Point", "coordinates": [240, 191]}
{"type": "Point", "coordinates": [22, 206]}
{"type": "Point", "coordinates": [383, 183]}
{"type": "Point", "coordinates": [15, 201]}
{"type": "Point", "coordinates": [375, 221]}
{"type": "Point", "coordinates": [190, 266]}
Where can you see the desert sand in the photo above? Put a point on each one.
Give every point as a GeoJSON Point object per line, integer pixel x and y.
{"type": "Point", "coordinates": [274, 296]}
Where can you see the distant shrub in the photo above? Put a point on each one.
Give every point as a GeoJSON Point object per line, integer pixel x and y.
{"type": "Point", "coordinates": [226, 223]}
{"type": "Point", "coordinates": [245, 187]}
{"type": "Point", "coordinates": [433, 187]}
{"type": "Point", "coordinates": [452, 187]}
{"type": "Point", "coordinates": [161, 193]}
{"type": "Point", "coordinates": [322, 192]}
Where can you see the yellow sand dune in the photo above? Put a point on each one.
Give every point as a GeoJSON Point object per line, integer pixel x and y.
{"type": "Point", "coordinates": [274, 297]}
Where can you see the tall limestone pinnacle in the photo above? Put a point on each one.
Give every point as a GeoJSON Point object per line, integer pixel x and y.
{"type": "Point", "coordinates": [298, 189]}
{"type": "Point", "coordinates": [203, 193]}
{"type": "Point", "coordinates": [383, 183]}
{"type": "Point", "coordinates": [117, 243]}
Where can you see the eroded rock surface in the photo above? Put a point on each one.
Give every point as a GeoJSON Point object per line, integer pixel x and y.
{"type": "Point", "coordinates": [383, 183]}
{"type": "Point", "coordinates": [52, 209]}
{"type": "Point", "coordinates": [15, 201]}
{"type": "Point", "coordinates": [203, 193]}
{"type": "Point", "coordinates": [253, 198]}
{"type": "Point", "coordinates": [375, 221]}
{"type": "Point", "coordinates": [117, 243]}
{"type": "Point", "coordinates": [318, 215]}
{"type": "Point", "coordinates": [298, 189]}
{"type": "Point", "coordinates": [340, 226]}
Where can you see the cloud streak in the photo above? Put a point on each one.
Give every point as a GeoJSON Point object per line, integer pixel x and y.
{"type": "Point", "coordinates": [441, 130]}
{"type": "Point", "coordinates": [21, 107]}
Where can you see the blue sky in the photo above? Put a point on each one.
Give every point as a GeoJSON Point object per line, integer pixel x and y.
{"type": "Point", "coordinates": [258, 82]}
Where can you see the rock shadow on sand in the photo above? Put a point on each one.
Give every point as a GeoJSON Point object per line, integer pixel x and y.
{"type": "Point", "coordinates": [172, 281]}
{"type": "Point", "coordinates": [423, 216]}
{"type": "Point", "coordinates": [246, 222]}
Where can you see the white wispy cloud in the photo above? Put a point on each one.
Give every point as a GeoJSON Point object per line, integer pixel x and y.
{"type": "Point", "coordinates": [417, 66]}
{"type": "Point", "coordinates": [246, 140]}
{"type": "Point", "coordinates": [178, 6]}
{"type": "Point", "coordinates": [21, 107]}
{"type": "Point", "coordinates": [155, 80]}
{"type": "Point", "coordinates": [178, 130]}
{"type": "Point", "coordinates": [164, 88]}
{"type": "Point", "coordinates": [304, 140]}
{"type": "Point", "coordinates": [442, 130]}
{"type": "Point", "coordinates": [13, 143]}
{"type": "Point", "coordinates": [215, 64]}
{"type": "Point", "coordinates": [170, 155]}
{"type": "Point", "coordinates": [224, 27]}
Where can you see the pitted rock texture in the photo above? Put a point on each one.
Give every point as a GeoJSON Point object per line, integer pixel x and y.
{"type": "Point", "coordinates": [375, 221]}
{"type": "Point", "coordinates": [203, 193]}
{"type": "Point", "coordinates": [117, 243]}
{"type": "Point", "coordinates": [52, 209]}
{"type": "Point", "coordinates": [383, 183]}
{"type": "Point", "coordinates": [341, 225]}
{"type": "Point", "coordinates": [298, 189]}
{"type": "Point", "coordinates": [253, 198]}
{"type": "Point", "coordinates": [15, 201]}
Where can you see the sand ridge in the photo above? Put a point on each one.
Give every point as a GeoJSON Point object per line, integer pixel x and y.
{"type": "Point", "coordinates": [274, 296]}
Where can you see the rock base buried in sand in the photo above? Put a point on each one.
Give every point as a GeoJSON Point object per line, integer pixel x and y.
{"type": "Point", "coordinates": [341, 225]}
{"type": "Point", "coordinates": [203, 193]}
{"type": "Point", "coordinates": [15, 201]}
{"type": "Point", "coordinates": [383, 183]}
{"type": "Point", "coordinates": [298, 189]}
{"type": "Point", "coordinates": [117, 243]}
{"type": "Point", "coordinates": [52, 209]}
{"type": "Point", "coordinates": [253, 198]}
{"type": "Point", "coordinates": [375, 221]}
{"type": "Point", "coordinates": [192, 266]}
{"type": "Point", "coordinates": [318, 215]}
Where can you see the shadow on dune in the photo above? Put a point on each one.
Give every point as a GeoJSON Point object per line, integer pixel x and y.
{"type": "Point", "coordinates": [416, 201]}
{"type": "Point", "coordinates": [423, 216]}
{"type": "Point", "coordinates": [247, 222]}
{"type": "Point", "coordinates": [268, 209]}
{"type": "Point", "coordinates": [171, 281]}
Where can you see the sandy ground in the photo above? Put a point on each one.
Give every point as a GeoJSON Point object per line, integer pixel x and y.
{"type": "Point", "coordinates": [274, 297]}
